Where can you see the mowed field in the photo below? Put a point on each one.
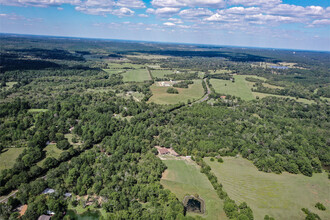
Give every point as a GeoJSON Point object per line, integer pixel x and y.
{"type": "Point", "coordinates": [161, 73]}
{"type": "Point", "coordinates": [239, 88]}
{"type": "Point", "coordinates": [242, 88]}
{"type": "Point", "coordinates": [184, 178]}
{"type": "Point", "coordinates": [136, 75]}
{"type": "Point", "coordinates": [160, 96]}
{"type": "Point", "coordinates": [279, 195]}
{"type": "Point", "coordinates": [8, 157]}
{"type": "Point", "coordinates": [51, 151]}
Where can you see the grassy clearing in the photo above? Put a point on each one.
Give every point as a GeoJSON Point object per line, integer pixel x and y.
{"type": "Point", "coordinates": [8, 157]}
{"type": "Point", "coordinates": [124, 65]}
{"type": "Point", "coordinates": [113, 71]}
{"type": "Point", "coordinates": [263, 95]}
{"type": "Point", "coordinates": [9, 85]}
{"type": "Point", "coordinates": [161, 73]}
{"type": "Point", "coordinates": [35, 110]}
{"type": "Point", "coordinates": [239, 88]}
{"type": "Point", "coordinates": [220, 71]}
{"type": "Point", "coordinates": [137, 75]}
{"type": "Point", "coordinates": [281, 196]}
{"type": "Point", "coordinates": [51, 151]}
{"type": "Point", "coordinates": [70, 136]}
{"type": "Point", "coordinates": [184, 178]}
{"type": "Point", "coordinates": [160, 96]}
{"type": "Point", "coordinates": [242, 88]}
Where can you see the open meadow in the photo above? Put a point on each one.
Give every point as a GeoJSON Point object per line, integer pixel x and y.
{"type": "Point", "coordinates": [160, 96]}
{"type": "Point", "coordinates": [8, 157]}
{"type": "Point", "coordinates": [183, 178]}
{"type": "Point", "coordinates": [279, 195]}
{"type": "Point", "coordinates": [161, 73]}
{"type": "Point", "coordinates": [239, 88]}
{"type": "Point", "coordinates": [242, 88]}
{"type": "Point", "coordinates": [136, 75]}
{"type": "Point", "coordinates": [51, 151]}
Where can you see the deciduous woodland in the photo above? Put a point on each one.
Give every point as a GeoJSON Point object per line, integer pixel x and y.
{"type": "Point", "coordinates": [81, 118]}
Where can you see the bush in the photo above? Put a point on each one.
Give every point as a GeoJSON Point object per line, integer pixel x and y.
{"type": "Point", "coordinates": [212, 159]}
{"type": "Point", "coordinates": [172, 91]}
{"type": "Point", "coordinates": [220, 160]}
{"type": "Point", "coordinates": [320, 206]}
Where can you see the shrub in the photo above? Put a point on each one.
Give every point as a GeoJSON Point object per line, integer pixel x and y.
{"type": "Point", "coordinates": [171, 90]}
{"type": "Point", "coordinates": [320, 206]}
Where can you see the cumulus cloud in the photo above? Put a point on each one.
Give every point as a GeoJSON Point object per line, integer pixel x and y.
{"type": "Point", "coordinates": [263, 3]}
{"type": "Point", "coordinates": [143, 15]}
{"type": "Point", "coordinates": [130, 3]}
{"type": "Point", "coordinates": [188, 3]}
{"type": "Point", "coordinates": [38, 3]}
{"type": "Point", "coordinates": [169, 24]}
{"type": "Point", "coordinates": [163, 12]}
{"type": "Point", "coordinates": [320, 22]}
{"type": "Point", "coordinates": [123, 12]}
{"type": "Point", "coordinates": [195, 13]}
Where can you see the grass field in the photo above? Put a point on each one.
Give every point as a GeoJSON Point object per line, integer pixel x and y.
{"type": "Point", "coordinates": [239, 88]}
{"type": "Point", "coordinates": [113, 71]}
{"type": "Point", "coordinates": [9, 85]}
{"type": "Point", "coordinates": [35, 110]}
{"type": "Point", "coordinates": [160, 73]}
{"type": "Point", "coordinates": [8, 157]}
{"type": "Point", "coordinates": [137, 75]}
{"type": "Point", "coordinates": [242, 88]}
{"type": "Point", "coordinates": [160, 96]}
{"type": "Point", "coordinates": [184, 178]}
{"type": "Point", "coordinates": [124, 65]}
{"type": "Point", "coordinates": [281, 196]}
{"type": "Point", "coordinates": [51, 151]}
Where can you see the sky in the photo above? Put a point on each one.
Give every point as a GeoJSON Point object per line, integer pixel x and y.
{"type": "Point", "coordinates": [289, 24]}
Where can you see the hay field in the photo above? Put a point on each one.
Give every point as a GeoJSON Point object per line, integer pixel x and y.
{"type": "Point", "coordinates": [136, 75]}
{"type": "Point", "coordinates": [279, 195]}
{"type": "Point", "coordinates": [160, 96]}
{"type": "Point", "coordinates": [183, 178]}
{"type": "Point", "coordinates": [8, 157]}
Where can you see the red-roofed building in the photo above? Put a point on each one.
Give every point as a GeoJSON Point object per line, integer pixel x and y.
{"type": "Point", "coordinates": [163, 151]}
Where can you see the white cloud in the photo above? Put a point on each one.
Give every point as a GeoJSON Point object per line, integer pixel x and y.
{"type": "Point", "coordinates": [270, 19]}
{"type": "Point", "coordinates": [169, 24]}
{"type": "Point", "coordinates": [123, 12]}
{"type": "Point", "coordinates": [263, 3]}
{"type": "Point", "coordinates": [195, 13]}
{"type": "Point", "coordinates": [176, 20]}
{"type": "Point", "coordinates": [12, 17]}
{"type": "Point", "coordinates": [130, 3]}
{"type": "Point", "coordinates": [321, 22]}
{"type": "Point", "coordinates": [188, 3]}
{"type": "Point", "coordinates": [59, 8]}
{"type": "Point", "coordinates": [38, 3]}
{"type": "Point", "coordinates": [143, 15]}
{"type": "Point", "coordinates": [163, 12]}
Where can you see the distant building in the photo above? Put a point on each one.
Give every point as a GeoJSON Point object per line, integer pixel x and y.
{"type": "Point", "coordinates": [50, 212]}
{"type": "Point", "coordinates": [163, 151]}
{"type": "Point", "coordinates": [67, 195]}
{"type": "Point", "coordinates": [223, 97]}
{"type": "Point", "coordinates": [48, 191]}
{"type": "Point", "coordinates": [22, 210]}
{"type": "Point", "coordinates": [44, 217]}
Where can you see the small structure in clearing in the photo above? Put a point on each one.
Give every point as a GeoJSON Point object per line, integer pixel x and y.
{"type": "Point", "coordinates": [162, 150]}
{"type": "Point", "coordinates": [193, 204]}
{"type": "Point", "coordinates": [44, 217]}
{"type": "Point", "coordinates": [48, 191]}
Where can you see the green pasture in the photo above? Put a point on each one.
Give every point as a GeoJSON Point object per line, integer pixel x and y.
{"type": "Point", "coordinates": [113, 71]}
{"type": "Point", "coordinates": [136, 75]}
{"type": "Point", "coordinates": [160, 96]}
{"type": "Point", "coordinates": [51, 151]}
{"type": "Point", "coordinates": [239, 88]}
{"type": "Point", "coordinates": [8, 157]}
{"type": "Point", "coordinates": [183, 178]}
{"type": "Point", "coordinates": [161, 73]}
{"type": "Point", "coordinates": [279, 195]}
{"type": "Point", "coordinates": [124, 65]}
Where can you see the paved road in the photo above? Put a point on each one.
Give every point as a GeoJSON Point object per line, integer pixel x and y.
{"type": "Point", "coordinates": [206, 97]}
{"type": "Point", "coordinates": [7, 197]}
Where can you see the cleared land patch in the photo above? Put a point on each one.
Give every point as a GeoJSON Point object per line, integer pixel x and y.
{"type": "Point", "coordinates": [51, 151]}
{"type": "Point", "coordinates": [280, 196]}
{"type": "Point", "coordinates": [183, 178]}
{"type": "Point", "coordinates": [239, 88]}
{"type": "Point", "coordinates": [136, 75]}
{"type": "Point", "coordinates": [161, 73]}
{"type": "Point", "coordinates": [8, 157]}
{"type": "Point", "coordinates": [160, 96]}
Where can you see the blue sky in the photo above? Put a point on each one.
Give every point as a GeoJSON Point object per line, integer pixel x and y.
{"type": "Point", "coordinates": [292, 24]}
